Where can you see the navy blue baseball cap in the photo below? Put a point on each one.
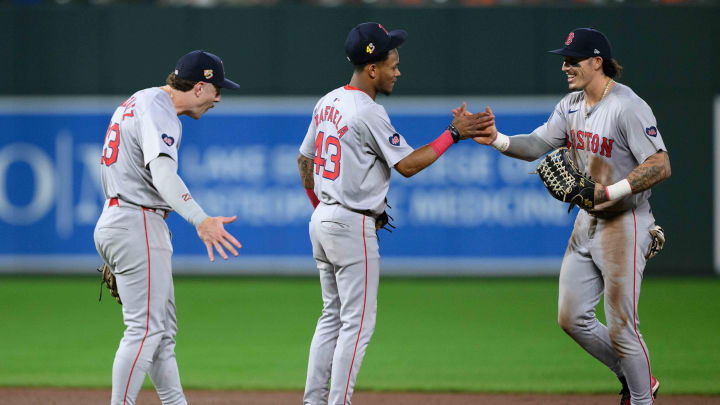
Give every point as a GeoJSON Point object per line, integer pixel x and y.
{"type": "Point", "coordinates": [584, 43]}
{"type": "Point", "coordinates": [368, 41]}
{"type": "Point", "coordinates": [202, 66]}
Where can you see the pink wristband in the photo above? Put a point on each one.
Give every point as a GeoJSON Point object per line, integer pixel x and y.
{"type": "Point", "coordinates": [442, 143]}
{"type": "Point", "coordinates": [313, 198]}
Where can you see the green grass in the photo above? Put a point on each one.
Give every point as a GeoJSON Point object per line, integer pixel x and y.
{"type": "Point", "coordinates": [495, 335]}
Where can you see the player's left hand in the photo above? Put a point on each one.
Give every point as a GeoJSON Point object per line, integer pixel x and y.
{"type": "Point", "coordinates": [565, 182]}
{"type": "Point", "coordinates": [474, 125]}
{"type": "Point", "coordinates": [489, 133]}
{"type": "Point", "coordinates": [213, 233]}
{"type": "Point", "coordinates": [462, 110]}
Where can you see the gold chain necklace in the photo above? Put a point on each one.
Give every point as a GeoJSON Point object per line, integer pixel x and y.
{"type": "Point", "coordinates": [607, 86]}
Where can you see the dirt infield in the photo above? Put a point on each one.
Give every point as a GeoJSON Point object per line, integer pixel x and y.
{"type": "Point", "coordinates": [63, 396]}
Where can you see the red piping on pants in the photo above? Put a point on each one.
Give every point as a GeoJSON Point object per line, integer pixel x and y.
{"type": "Point", "coordinates": [635, 309]}
{"type": "Point", "coordinates": [362, 318]}
{"type": "Point", "coordinates": [147, 323]}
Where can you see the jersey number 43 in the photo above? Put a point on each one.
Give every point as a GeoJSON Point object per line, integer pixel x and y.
{"type": "Point", "coordinates": [332, 153]}
{"type": "Point", "coordinates": [111, 146]}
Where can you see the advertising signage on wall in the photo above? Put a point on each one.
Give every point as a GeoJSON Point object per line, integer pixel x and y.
{"type": "Point", "coordinates": [472, 212]}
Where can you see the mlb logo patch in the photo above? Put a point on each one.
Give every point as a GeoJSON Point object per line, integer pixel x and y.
{"type": "Point", "coordinates": [169, 140]}
{"type": "Point", "coordinates": [652, 131]}
{"type": "Point", "coordinates": [208, 73]}
{"type": "Point", "coordinates": [395, 140]}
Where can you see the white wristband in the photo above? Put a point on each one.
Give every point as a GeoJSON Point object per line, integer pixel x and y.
{"type": "Point", "coordinates": [618, 190]}
{"type": "Point", "coordinates": [501, 143]}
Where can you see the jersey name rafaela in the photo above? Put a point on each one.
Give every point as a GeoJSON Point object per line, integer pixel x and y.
{"type": "Point", "coordinates": [354, 147]}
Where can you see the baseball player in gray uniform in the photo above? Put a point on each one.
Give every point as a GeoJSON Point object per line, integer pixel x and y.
{"type": "Point", "coordinates": [345, 162]}
{"type": "Point", "coordinates": [613, 137]}
{"type": "Point", "coordinates": [141, 186]}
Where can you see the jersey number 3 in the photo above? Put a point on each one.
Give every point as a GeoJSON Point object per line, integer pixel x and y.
{"type": "Point", "coordinates": [332, 151]}
{"type": "Point", "coordinates": [112, 143]}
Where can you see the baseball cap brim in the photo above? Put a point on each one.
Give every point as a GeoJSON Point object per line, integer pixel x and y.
{"type": "Point", "coordinates": [397, 38]}
{"type": "Point", "coordinates": [228, 84]}
{"type": "Point", "coordinates": [568, 52]}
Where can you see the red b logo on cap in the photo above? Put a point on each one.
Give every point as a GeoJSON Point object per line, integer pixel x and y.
{"type": "Point", "coordinates": [570, 38]}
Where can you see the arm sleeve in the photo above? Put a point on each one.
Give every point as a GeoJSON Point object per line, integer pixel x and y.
{"type": "Point", "coordinates": [554, 131]}
{"type": "Point", "coordinates": [173, 190]}
{"type": "Point", "coordinates": [637, 123]}
{"type": "Point", "coordinates": [527, 147]}
{"type": "Point", "coordinates": [160, 131]}
{"type": "Point", "coordinates": [381, 136]}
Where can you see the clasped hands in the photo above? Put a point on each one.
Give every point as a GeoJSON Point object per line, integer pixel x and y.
{"type": "Point", "coordinates": [479, 126]}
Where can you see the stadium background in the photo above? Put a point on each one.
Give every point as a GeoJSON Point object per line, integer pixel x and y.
{"type": "Point", "coordinates": [68, 64]}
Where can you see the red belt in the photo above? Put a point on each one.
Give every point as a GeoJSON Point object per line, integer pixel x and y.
{"type": "Point", "coordinates": [115, 203]}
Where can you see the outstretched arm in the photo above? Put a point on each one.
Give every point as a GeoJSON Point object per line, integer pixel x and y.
{"type": "Point", "coordinates": [419, 159]}
{"type": "Point", "coordinates": [526, 146]}
{"type": "Point", "coordinates": [652, 171]}
{"type": "Point", "coordinates": [173, 190]}
{"type": "Point", "coordinates": [464, 125]}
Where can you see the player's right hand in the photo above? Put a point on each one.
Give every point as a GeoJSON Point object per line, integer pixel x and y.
{"type": "Point", "coordinates": [213, 233]}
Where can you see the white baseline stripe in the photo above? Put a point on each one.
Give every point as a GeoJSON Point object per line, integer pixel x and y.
{"type": "Point", "coordinates": [291, 265]}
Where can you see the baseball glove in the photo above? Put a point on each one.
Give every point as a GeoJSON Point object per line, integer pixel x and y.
{"type": "Point", "coordinates": [657, 242]}
{"type": "Point", "coordinates": [564, 181]}
{"type": "Point", "coordinates": [108, 278]}
{"type": "Point", "coordinates": [383, 221]}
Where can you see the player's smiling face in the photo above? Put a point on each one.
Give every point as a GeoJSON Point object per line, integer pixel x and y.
{"type": "Point", "coordinates": [388, 73]}
{"type": "Point", "coordinates": [578, 72]}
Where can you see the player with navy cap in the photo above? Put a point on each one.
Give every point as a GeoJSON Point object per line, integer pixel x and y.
{"type": "Point", "coordinates": [345, 163]}
{"type": "Point", "coordinates": [612, 136]}
{"type": "Point", "coordinates": [138, 167]}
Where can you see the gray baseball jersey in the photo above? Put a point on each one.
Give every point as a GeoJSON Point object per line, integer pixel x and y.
{"type": "Point", "coordinates": [134, 241]}
{"type": "Point", "coordinates": [354, 147]}
{"type": "Point", "coordinates": [607, 251]}
{"type": "Point", "coordinates": [617, 135]}
{"type": "Point", "coordinates": [143, 127]}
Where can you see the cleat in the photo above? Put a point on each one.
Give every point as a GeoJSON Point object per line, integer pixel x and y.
{"type": "Point", "coordinates": [655, 386]}
{"type": "Point", "coordinates": [625, 391]}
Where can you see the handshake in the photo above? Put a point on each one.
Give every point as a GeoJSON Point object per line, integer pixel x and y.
{"type": "Point", "coordinates": [479, 126]}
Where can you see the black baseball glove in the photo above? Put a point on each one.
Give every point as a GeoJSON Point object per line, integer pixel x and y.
{"type": "Point", "coordinates": [564, 181]}
{"type": "Point", "coordinates": [383, 221]}
{"type": "Point", "coordinates": [108, 278]}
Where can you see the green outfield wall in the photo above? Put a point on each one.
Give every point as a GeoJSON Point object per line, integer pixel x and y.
{"type": "Point", "coordinates": [671, 57]}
